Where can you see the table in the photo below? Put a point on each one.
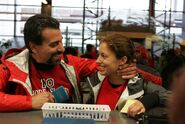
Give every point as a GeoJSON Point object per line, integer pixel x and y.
{"type": "Point", "coordinates": [35, 117]}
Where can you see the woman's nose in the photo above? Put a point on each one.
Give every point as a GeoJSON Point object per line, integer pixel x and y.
{"type": "Point", "coordinates": [98, 60]}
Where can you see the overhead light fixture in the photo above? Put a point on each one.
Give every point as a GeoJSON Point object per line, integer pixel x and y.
{"type": "Point", "coordinates": [174, 24]}
{"type": "Point", "coordinates": [44, 1]}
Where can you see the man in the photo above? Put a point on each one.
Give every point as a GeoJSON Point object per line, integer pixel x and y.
{"type": "Point", "coordinates": [29, 76]}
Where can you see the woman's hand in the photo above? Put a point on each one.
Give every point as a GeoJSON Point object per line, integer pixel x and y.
{"type": "Point", "coordinates": [136, 108]}
{"type": "Point", "coordinates": [41, 98]}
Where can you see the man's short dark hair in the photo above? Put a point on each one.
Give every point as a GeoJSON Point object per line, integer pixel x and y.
{"type": "Point", "coordinates": [35, 25]}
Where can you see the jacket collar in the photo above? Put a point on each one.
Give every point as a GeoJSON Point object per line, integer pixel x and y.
{"type": "Point", "coordinates": [17, 64]}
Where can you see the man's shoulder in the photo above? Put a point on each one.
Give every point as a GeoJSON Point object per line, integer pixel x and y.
{"type": "Point", "coordinates": [4, 69]}
{"type": "Point", "coordinates": [11, 53]}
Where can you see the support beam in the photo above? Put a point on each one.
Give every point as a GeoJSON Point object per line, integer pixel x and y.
{"type": "Point", "coordinates": [152, 8]}
{"type": "Point", "coordinates": [183, 22]}
{"type": "Point", "coordinates": [46, 7]}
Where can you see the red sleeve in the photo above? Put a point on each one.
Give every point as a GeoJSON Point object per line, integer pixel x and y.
{"type": "Point", "coordinates": [150, 77]}
{"type": "Point", "coordinates": [11, 102]}
{"type": "Point", "coordinates": [84, 67]}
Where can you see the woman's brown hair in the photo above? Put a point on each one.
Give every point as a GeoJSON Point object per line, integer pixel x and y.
{"type": "Point", "coordinates": [120, 45]}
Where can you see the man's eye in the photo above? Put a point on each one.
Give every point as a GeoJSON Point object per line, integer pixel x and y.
{"type": "Point", "coordinates": [54, 44]}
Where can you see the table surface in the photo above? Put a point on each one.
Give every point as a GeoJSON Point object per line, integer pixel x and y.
{"type": "Point", "coordinates": [35, 117]}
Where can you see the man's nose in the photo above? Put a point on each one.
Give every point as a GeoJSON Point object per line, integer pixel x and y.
{"type": "Point", "coordinates": [61, 47]}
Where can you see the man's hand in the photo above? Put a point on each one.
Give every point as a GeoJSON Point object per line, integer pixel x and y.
{"type": "Point", "coordinates": [136, 108]}
{"type": "Point", "coordinates": [127, 71]}
{"type": "Point", "coordinates": [41, 98]}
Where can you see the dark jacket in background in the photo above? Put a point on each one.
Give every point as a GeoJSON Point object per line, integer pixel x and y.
{"type": "Point", "coordinates": [169, 70]}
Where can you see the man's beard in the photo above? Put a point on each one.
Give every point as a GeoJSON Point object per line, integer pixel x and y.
{"type": "Point", "coordinates": [51, 61]}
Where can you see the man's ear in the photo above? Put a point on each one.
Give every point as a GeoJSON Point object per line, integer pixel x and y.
{"type": "Point", "coordinates": [32, 47]}
{"type": "Point", "coordinates": [124, 60]}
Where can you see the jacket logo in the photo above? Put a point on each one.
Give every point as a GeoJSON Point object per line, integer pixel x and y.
{"type": "Point", "coordinates": [47, 83]}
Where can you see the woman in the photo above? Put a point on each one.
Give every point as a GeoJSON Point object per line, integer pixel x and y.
{"type": "Point", "coordinates": [108, 88]}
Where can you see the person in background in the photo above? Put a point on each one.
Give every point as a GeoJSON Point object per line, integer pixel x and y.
{"type": "Point", "coordinates": [145, 66]}
{"type": "Point", "coordinates": [91, 52]}
{"type": "Point", "coordinates": [108, 88]}
{"type": "Point", "coordinates": [141, 55]}
{"type": "Point", "coordinates": [29, 76]}
{"type": "Point", "coordinates": [71, 50]}
{"type": "Point", "coordinates": [174, 63]}
{"type": "Point", "coordinates": [176, 103]}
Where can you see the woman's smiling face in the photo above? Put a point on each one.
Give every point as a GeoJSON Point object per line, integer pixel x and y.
{"type": "Point", "coordinates": [114, 50]}
{"type": "Point", "coordinates": [107, 61]}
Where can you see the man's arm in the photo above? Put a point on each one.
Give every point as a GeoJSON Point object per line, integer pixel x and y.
{"type": "Point", "coordinates": [159, 90]}
{"type": "Point", "coordinates": [87, 67]}
{"type": "Point", "coordinates": [84, 67]}
{"type": "Point", "coordinates": [150, 77]}
{"type": "Point", "coordinates": [13, 102]}
{"type": "Point", "coordinates": [10, 102]}
{"type": "Point", "coordinates": [149, 74]}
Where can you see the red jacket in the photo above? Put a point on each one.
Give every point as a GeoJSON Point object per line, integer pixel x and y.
{"type": "Point", "coordinates": [150, 77]}
{"type": "Point", "coordinates": [15, 69]}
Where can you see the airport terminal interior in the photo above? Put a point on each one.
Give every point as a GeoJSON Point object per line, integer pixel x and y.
{"type": "Point", "coordinates": [156, 28]}
{"type": "Point", "coordinates": [83, 20]}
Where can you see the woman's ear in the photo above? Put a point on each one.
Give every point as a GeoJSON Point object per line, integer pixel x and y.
{"type": "Point", "coordinates": [124, 60]}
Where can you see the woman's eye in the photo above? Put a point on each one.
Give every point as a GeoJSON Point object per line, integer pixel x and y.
{"type": "Point", "coordinates": [104, 56]}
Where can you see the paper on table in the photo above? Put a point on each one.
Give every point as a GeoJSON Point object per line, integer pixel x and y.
{"type": "Point", "coordinates": [127, 104]}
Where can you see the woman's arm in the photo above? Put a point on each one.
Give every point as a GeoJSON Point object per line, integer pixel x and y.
{"type": "Point", "coordinates": [163, 94]}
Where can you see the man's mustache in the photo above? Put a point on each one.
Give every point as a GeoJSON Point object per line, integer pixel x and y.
{"type": "Point", "coordinates": [57, 53]}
